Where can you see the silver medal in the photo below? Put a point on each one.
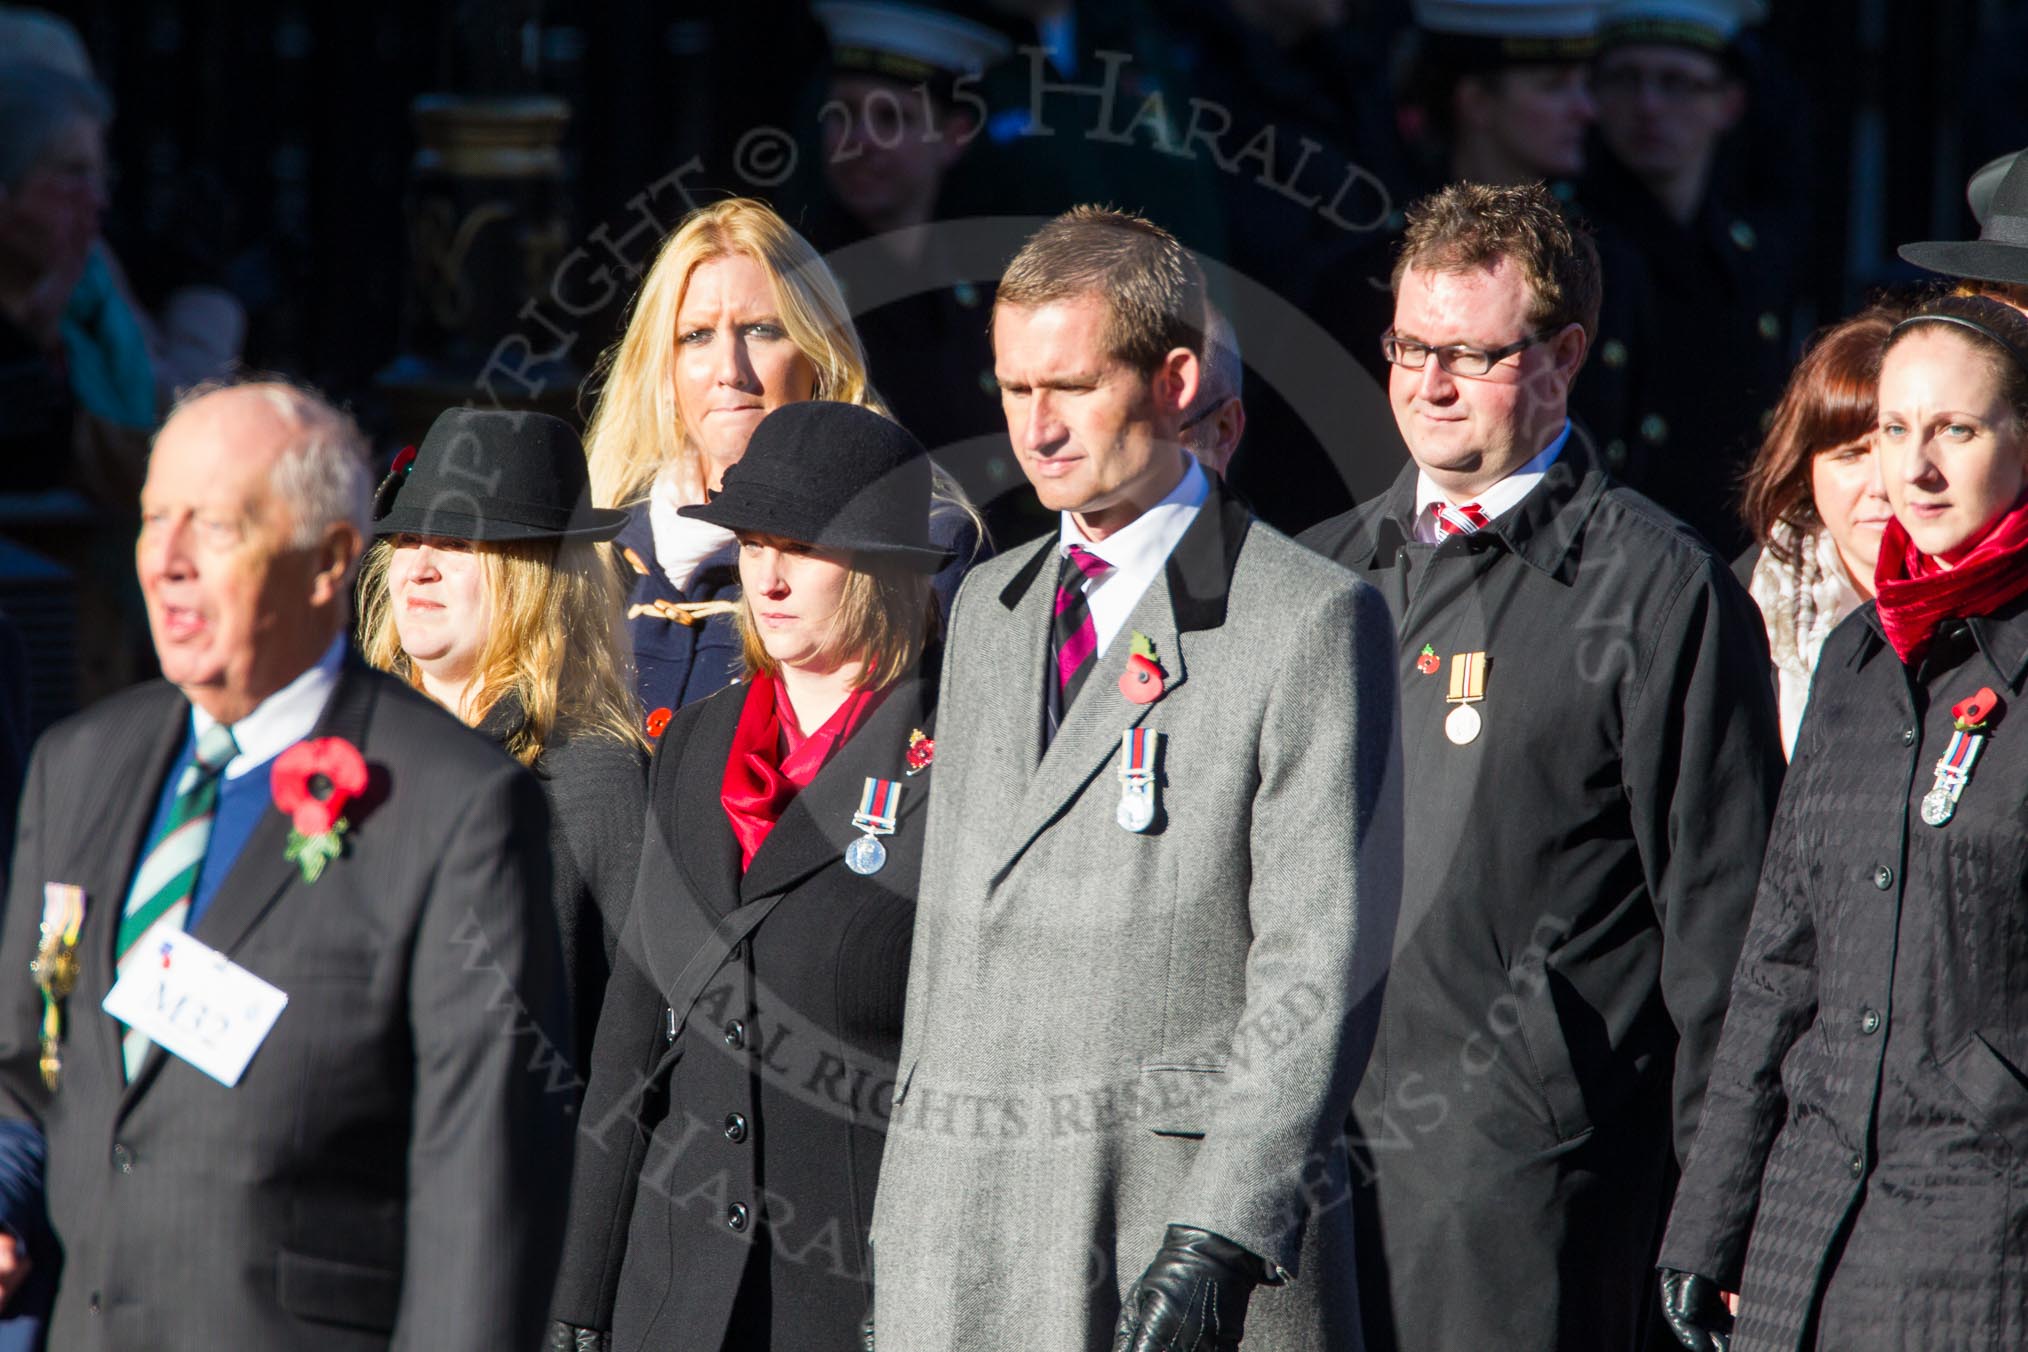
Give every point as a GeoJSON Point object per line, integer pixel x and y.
{"type": "Point", "coordinates": [1937, 806]}
{"type": "Point", "coordinates": [865, 855]}
{"type": "Point", "coordinates": [1463, 725]}
{"type": "Point", "coordinates": [1136, 811]}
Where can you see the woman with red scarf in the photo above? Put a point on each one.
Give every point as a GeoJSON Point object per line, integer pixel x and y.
{"type": "Point", "coordinates": [1860, 1174]}
{"type": "Point", "coordinates": [743, 1067]}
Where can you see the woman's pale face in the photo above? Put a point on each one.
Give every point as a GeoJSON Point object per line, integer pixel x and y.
{"type": "Point", "coordinates": [735, 361]}
{"type": "Point", "coordinates": [1950, 454]}
{"type": "Point", "coordinates": [442, 610]}
{"type": "Point", "coordinates": [795, 592]}
{"type": "Point", "coordinates": [1850, 502]}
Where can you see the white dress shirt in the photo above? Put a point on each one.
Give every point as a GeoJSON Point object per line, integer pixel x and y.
{"type": "Point", "coordinates": [1136, 552]}
{"type": "Point", "coordinates": [1499, 498]}
{"type": "Point", "coordinates": [283, 718]}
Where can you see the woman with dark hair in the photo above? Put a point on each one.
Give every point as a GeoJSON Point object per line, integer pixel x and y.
{"type": "Point", "coordinates": [1860, 1173]}
{"type": "Point", "coordinates": [745, 1057]}
{"type": "Point", "coordinates": [1814, 504]}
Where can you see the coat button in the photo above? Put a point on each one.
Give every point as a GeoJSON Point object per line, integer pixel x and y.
{"type": "Point", "coordinates": [1908, 736]}
{"type": "Point", "coordinates": [735, 1216]}
{"type": "Point", "coordinates": [735, 1035]}
{"type": "Point", "coordinates": [1883, 877]}
{"type": "Point", "coordinates": [92, 1304]}
{"type": "Point", "coordinates": [668, 1025]}
{"type": "Point", "coordinates": [735, 1128]}
{"type": "Point", "coordinates": [1869, 1021]}
{"type": "Point", "coordinates": [1857, 1164]}
{"type": "Point", "coordinates": [123, 1159]}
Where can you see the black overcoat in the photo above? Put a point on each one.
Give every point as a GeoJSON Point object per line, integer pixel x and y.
{"type": "Point", "coordinates": [1863, 1159]}
{"type": "Point", "coordinates": [1576, 883]}
{"type": "Point", "coordinates": [738, 1197]}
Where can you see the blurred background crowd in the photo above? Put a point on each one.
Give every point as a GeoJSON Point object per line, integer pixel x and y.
{"type": "Point", "coordinates": [416, 206]}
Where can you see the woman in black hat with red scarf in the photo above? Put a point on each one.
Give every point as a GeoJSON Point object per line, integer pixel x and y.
{"type": "Point", "coordinates": [743, 1068]}
{"type": "Point", "coordinates": [1860, 1174]}
{"type": "Point", "coordinates": [491, 591]}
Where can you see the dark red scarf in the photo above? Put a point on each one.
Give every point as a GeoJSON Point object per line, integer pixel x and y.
{"type": "Point", "coordinates": [1916, 593]}
{"type": "Point", "coordinates": [772, 759]}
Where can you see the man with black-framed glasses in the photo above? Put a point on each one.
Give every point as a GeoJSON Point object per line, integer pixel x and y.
{"type": "Point", "coordinates": [1590, 760]}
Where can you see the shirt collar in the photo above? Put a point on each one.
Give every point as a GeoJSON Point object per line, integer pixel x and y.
{"type": "Point", "coordinates": [283, 718]}
{"type": "Point", "coordinates": [1140, 547]}
{"type": "Point", "coordinates": [1502, 496]}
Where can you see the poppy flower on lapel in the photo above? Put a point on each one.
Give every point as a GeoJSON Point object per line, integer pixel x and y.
{"type": "Point", "coordinates": [658, 719]}
{"type": "Point", "coordinates": [1142, 681]}
{"type": "Point", "coordinates": [1427, 662]}
{"type": "Point", "coordinates": [922, 750]}
{"type": "Point", "coordinates": [313, 782]}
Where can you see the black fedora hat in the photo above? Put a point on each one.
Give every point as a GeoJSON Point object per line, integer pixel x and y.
{"type": "Point", "coordinates": [492, 474]}
{"type": "Point", "coordinates": [833, 475]}
{"type": "Point", "coordinates": [2000, 253]}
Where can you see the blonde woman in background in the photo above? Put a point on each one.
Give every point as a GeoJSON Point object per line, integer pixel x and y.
{"type": "Point", "coordinates": [737, 317]}
{"type": "Point", "coordinates": [504, 608]}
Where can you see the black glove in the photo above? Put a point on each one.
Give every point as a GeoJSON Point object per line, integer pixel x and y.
{"type": "Point", "coordinates": [1696, 1311]}
{"type": "Point", "coordinates": [570, 1338]}
{"type": "Point", "coordinates": [1192, 1298]}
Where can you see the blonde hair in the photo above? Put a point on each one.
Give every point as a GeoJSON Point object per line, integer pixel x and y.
{"type": "Point", "coordinates": [557, 641]}
{"type": "Point", "coordinates": [636, 427]}
{"type": "Point", "coordinates": [885, 616]}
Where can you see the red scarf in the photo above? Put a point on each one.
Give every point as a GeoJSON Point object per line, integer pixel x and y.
{"type": "Point", "coordinates": [1916, 593]}
{"type": "Point", "coordinates": [772, 759]}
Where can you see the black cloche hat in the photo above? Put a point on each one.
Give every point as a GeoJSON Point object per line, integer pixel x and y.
{"type": "Point", "coordinates": [2000, 253]}
{"type": "Point", "coordinates": [834, 475]}
{"type": "Point", "coordinates": [492, 474]}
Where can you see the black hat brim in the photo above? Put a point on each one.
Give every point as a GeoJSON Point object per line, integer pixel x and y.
{"type": "Point", "coordinates": [756, 519]}
{"type": "Point", "coordinates": [597, 525]}
{"type": "Point", "coordinates": [1981, 260]}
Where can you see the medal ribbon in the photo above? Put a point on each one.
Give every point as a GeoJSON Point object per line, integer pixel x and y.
{"type": "Point", "coordinates": [879, 804]}
{"type": "Point", "coordinates": [1468, 678]}
{"type": "Point", "coordinates": [1956, 765]}
{"type": "Point", "coordinates": [1137, 754]}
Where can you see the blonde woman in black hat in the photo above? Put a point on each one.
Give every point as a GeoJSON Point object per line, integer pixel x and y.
{"type": "Point", "coordinates": [743, 1070]}
{"type": "Point", "coordinates": [501, 605]}
{"type": "Point", "coordinates": [737, 317]}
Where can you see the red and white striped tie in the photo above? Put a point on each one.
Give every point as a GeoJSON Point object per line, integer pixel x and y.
{"type": "Point", "coordinates": [1465, 520]}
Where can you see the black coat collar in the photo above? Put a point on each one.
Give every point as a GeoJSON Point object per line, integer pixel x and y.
{"type": "Point", "coordinates": [2001, 638]}
{"type": "Point", "coordinates": [1544, 528]}
{"type": "Point", "coordinates": [1199, 567]}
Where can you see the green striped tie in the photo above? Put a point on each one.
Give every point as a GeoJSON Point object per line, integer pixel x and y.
{"type": "Point", "coordinates": [159, 901]}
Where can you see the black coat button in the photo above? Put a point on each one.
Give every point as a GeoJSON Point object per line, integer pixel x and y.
{"type": "Point", "coordinates": [1908, 736]}
{"type": "Point", "coordinates": [735, 1035]}
{"type": "Point", "coordinates": [735, 1216]}
{"type": "Point", "coordinates": [123, 1159]}
{"type": "Point", "coordinates": [92, 1305]}
{"type": "Point", "coordinates": [1883, 877]}
{"type": "Point", "coordinates": [735, 1128]}
{"type": "Point", "coordinates": [1857, 1165]}
{"type": "Point", "coordinates": [1869, 1021]}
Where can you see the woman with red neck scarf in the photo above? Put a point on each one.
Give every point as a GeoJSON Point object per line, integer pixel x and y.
{"type": "Point", "coordinates": [1860, 1174]}
{"type": "Point", "coordinates": [743, 1068]}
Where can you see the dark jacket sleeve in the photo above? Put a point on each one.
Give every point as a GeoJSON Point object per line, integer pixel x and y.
{"type": "Point", "coordinates": [23, 1097]}
{"type": "Point", "coordinates": [1774, 1002]}
{"type": "Point", "coordinates": [493, 1082]}
{"type": "Point", "coordinates": [1703, 767]}
{"type": "Point", "coordinates": [599, 793]}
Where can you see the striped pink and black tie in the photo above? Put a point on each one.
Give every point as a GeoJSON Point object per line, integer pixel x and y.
{"type": "Point", "coordinates": [1073, 643]}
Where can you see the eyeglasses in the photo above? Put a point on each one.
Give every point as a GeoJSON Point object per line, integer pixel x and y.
{"type": "Point", "coordinates": [1458, 359]}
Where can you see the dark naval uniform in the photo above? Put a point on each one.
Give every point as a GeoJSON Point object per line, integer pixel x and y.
{"type": "Point", "coordinates": [1577, 879]}
{"type": "Point", "coordinates": [1713, 354]}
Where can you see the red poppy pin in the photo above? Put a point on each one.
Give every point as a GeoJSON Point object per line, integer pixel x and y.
{"type": "Point", "coordinates": [1974, 712]}
{"type": "Point", "coordinates": [1142, 681]}
{"type": "Point", "coordinates": [658, 719]}
{"type": "Point", "coordinates": [922, 750]}
{"type": "Point", "coordinates": [314, 782]}
{"type": "Point", "coordinates": [1428, 661]}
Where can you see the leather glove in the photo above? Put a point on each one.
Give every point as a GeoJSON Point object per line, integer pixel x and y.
{"type": "Point", "coordinates": [570, 1338]}
{"type": "Point", "coordinates": [1696, 1311]}
{"type": "Point", "coordinates": [1192, 1298]}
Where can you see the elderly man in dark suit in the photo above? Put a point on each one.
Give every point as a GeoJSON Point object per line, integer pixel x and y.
{"type": "Point", "coordinates": [329, 1114]}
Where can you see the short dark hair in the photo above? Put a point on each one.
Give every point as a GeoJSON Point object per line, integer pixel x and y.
{"type": "Point", "coordinates": [1152, 287]}
{"type": "Point", "coordinates": [1474, 225]}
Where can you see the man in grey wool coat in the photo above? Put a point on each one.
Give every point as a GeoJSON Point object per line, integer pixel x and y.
{"type": "Point", "coordinates": [1159, 879]}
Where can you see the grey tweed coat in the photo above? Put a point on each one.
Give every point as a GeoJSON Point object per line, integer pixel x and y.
{"type": "Point", "coordinates": [1106, 1031]}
